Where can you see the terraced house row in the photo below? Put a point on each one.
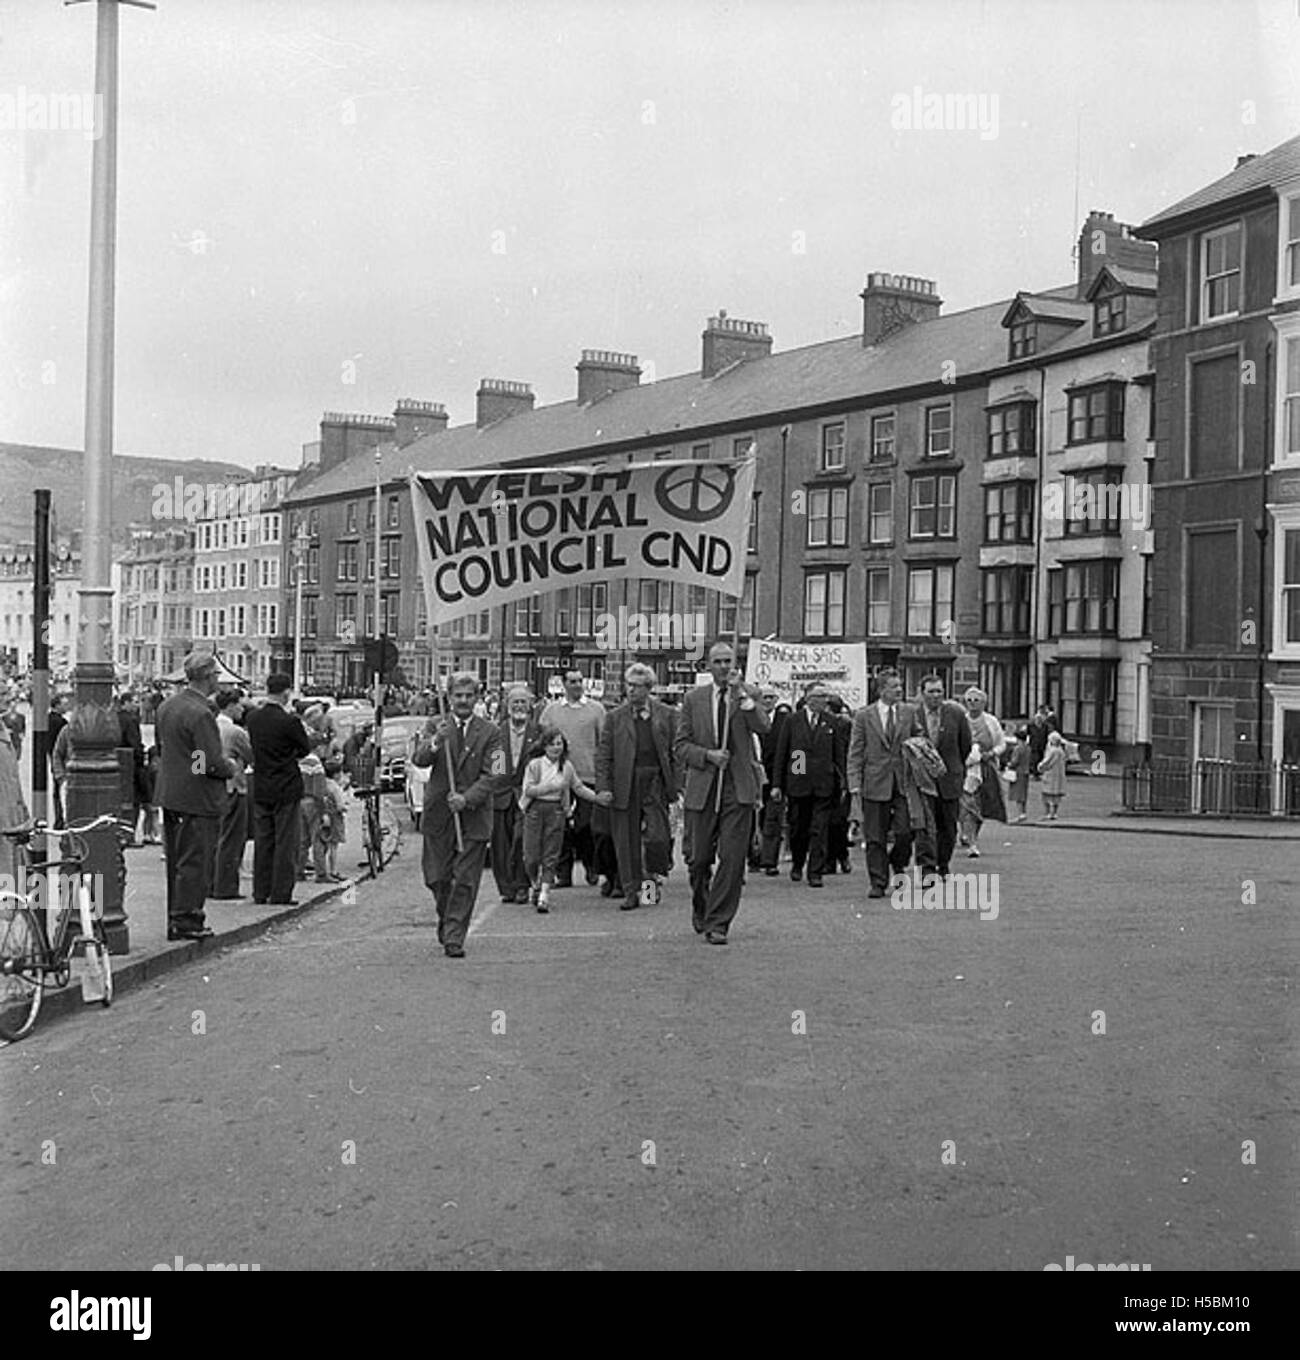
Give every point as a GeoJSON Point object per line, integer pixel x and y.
{"type": "Point", "coordinates": [1087, 495]}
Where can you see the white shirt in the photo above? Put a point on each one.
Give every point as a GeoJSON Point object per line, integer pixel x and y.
{"type": "Point", "coordinates": [884, 710]}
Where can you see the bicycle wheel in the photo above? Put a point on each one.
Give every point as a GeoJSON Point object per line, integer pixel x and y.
{"type": "Point", "coordinates": [390, 833]}
{"type": "Point", "coordinates": [22, 952]}
{"type": "Point", "coordinates": [374, 836]}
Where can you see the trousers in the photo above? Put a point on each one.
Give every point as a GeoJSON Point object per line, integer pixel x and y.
{"type": "Point", "coordinates": [231, 836]}
{"type": "Point", "coordinates": [543, 838]}
{"type": "Point", "coordinates": [275, 851]}
{"type": "Point", "coordinates": [188, 843]}
{"type": "Point", "coordinates": [879, 820]}
{"type": "Point", "coordinates": [454, 896]}
{"type": "Point", "coordinates": [809, 824]}
{"type": "Point", "coordinates": [721, 836]}
{"type": "Point", "coordinates": [507, 850]}
{"type": "Point", "coordinates": [640, 831]}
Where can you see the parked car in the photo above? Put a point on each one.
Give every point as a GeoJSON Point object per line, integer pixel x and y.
{"type": "Point", "coordinates": [417, 777]}
{"type": "Point", "coordinates": [395, 745]}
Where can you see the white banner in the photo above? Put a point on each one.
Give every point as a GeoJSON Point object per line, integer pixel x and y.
{"type": "Point", "coordinates": [491, 537]}
{"type": "Point", "coordinates": [792, 666]}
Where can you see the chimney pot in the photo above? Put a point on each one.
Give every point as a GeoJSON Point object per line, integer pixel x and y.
{"type": "Point", "coordinates": [1245, 160]}
{"type": "Point", "coordinates": [501, 397]}
{"type": "Point", "coordinates": [729, 340]}
{"type": "Point", "coordinates": [602, 371]}
{"type": "Point", "coordinates": [892, 301]}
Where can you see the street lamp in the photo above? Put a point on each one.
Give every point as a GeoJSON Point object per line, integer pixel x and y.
{"type": "Point", "coordinates": [94, 785]}
{"type": "Point", "coordinates": [301, 540]}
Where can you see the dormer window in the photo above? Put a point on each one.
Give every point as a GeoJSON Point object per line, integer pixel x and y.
{"type": "Point", "coordinates": [1109, 314]}
{"type": "Point", "coordinates": [1024, 338]}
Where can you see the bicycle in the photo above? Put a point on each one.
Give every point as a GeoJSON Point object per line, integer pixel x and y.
{"type": "Point", "coordinates": [381, 832]}
{"type": "Point", "coordinates": [30, 960]}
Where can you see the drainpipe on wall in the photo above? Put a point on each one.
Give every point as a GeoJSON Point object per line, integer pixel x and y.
{"type": "Point", "coordinates": [1261, 532]}
{"type": "Point", "coordinates": [1039, 685]}
{"type": "Point", "coordinates": [780, 542]}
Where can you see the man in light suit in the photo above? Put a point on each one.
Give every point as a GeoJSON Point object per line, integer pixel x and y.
{"type": "Point", "coordinates": [519, 734]}
{"type": "Point", "coordinates": [715, 744]}
{"type": "Point", "coordinates": [453, 875]}
{"type": "Point", "coordinates": [876, 780]}
{"type": "Point", "coordinates": [944, 721]}
{"type": "Point", "coordinates": [634, 762]}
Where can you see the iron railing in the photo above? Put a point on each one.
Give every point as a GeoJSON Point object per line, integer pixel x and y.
{"type": "Point", "coordinates": [1213, 788]}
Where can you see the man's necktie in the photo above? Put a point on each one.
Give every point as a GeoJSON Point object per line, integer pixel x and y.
{"type": "Point", "coordinates": [889, 726]}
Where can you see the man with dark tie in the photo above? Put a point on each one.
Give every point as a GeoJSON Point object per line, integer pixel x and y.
{"type": "Point", "coordinates": [519, 733]}
{"type": "Point", "coordinates": [452, 871]}
{"type": "Point", "coordinates": [634, 763]}
{"type": "Point", "coordinates": [810, 774]}
{"type": "Point", "coordinates": [716, 727]}
{"type": "Point", "coordinates": [945, 722]}
{"type": "Point", "coordinates": [876, 780]}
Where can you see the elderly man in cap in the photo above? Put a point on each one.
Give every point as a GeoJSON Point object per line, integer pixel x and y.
{"type": "Point", "coordinates": [191, 790]}
{"type": "Point", "coordinates": [519, 733]}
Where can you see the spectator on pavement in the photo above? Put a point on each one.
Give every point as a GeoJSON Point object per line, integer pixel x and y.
{"type": "Point", "coordinates": [233, 835]}
{"type": "Point", "coordinates": [279, 741]}
{"type": "Point", "coordinates": [57, 722]}
{"type": "Point", "coordinates": [192, 771]}
{"type": "Point", "coordinates": [1052, 770]}
{"type": "Point", "coordinates": [1018, 761]}
{"type": "Point", "coordinates": [13, 807]}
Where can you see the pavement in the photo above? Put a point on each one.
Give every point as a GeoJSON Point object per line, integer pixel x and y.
{"type": "Point", "coordinates": [151, 954]}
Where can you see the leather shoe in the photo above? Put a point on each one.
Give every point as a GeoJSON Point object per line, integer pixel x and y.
{"type": "Point", "coordinates": [846, 867]}
{"type": "Point", "coordinates": [796, 875]}
{"type": "Point", "coordinates": [607, 889]}
{"type": "Point", "coordinates": [454, 951]}
{"type": "Point", "coordinates": [592, 878]}
{"type": "Point", "coordinates": [815, 881]}
{"type": "Point", "coordinates": [716, 937]}
{"type": "Point", "coordinates": [771, 873]}
{"type": "Point", "coordinates": [698, 926]}
{"type": "Point", "coordinates": [630, 904]}
{"type": "Point", "coordinates": [198, 933]}
{"type": "Point", "coordinates": [876, 892]}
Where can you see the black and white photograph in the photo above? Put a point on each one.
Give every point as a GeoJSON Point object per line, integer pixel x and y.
{"type": "Point", "coordinates": [649, 636]}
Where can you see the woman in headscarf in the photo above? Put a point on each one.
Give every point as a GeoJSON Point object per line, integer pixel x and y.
{"type": "Point", "coordinates": [982, 794]}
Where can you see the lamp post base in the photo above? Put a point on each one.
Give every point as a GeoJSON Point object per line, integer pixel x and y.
{"type": "Point", "coordinates": [95, 786]}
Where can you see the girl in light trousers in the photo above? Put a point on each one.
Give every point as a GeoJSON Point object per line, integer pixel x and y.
{"type": "Point", "coordinates": [550, 783]}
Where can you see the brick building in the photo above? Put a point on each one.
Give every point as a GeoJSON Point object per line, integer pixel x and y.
{"type": "Point", "coordinates": [155, 619]}
{"type": "Point", "coordinates": [1226, 482]}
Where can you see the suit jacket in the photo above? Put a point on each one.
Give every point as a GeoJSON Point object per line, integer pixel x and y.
{"type": "Point", "coordinates": [186, 730]}
{"type": "Point", "coordinates": [876, 765]}
{"type": "Point", "coordinates": [616, 752]}
{"type": "Point", "coordinates": [279, 742]}
{"type": "Point", "coordinates": [824, 748]}
{"type": "Point", "coordinates": [507, 790]}
{"type": "Point", "coordinates": [478, 767]}
{"type": "Point", "coordinates": [953, 745]}
{"type": "Point", "coordinates": [695, 736]}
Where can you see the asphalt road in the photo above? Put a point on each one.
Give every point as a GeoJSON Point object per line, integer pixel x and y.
{"type": "Point", "coordinates": [602, 1090]}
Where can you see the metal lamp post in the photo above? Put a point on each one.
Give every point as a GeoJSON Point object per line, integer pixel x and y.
{"type": "Point", "coordinates": [301, 539]}
{"type": "Point", "coordinates": [94, 785]}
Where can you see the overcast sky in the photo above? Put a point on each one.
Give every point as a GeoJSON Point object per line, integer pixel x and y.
{"type": "Point", "coordinates": [330, 205]}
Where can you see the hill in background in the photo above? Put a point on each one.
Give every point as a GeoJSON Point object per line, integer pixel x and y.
{"type": "Point", "coordinates": [24, 467]}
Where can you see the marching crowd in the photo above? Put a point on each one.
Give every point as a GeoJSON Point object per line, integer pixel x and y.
{"type": "Point", "coordinates": [732, 775]}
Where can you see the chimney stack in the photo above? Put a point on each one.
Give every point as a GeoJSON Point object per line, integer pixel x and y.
{"type": "Point", "coordinates": [891, 302]}
{"type": "Point", "coordinates": [1104, 241]}
{"type": "Point", "coordinates": [1245, 160]}
{"type": "Point", "coordinates": [414, 419]}
{"type": "Point", "coordinates": [728, 341]}
{"type": "Point", "coordinates": [499, 398]}
{"type": "Point", "coordinates": [343, 436]}
{"type": "Point", "coordinates": [602, 371]}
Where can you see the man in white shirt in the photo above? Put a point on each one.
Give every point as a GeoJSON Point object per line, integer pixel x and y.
{"type": "Point", "coordinates": [581, 719]}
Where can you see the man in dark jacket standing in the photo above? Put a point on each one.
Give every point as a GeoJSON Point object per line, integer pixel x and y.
{"type": "Point", "coordinates": [192, 774]}
{"type": "Point", "coordinates": [279, 741]}
{"type": "Point", "coordinates": [772, 818]}
{"type": "Point", "coordinates": [810, 772]}
{"type": "Point", "coordinates": [875, 770]}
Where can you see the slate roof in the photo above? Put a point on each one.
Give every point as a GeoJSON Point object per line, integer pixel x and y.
{"type": "Point", "coordinates": [746, 396]}
{"type": "Point", "coordinates": [1273, 167]}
